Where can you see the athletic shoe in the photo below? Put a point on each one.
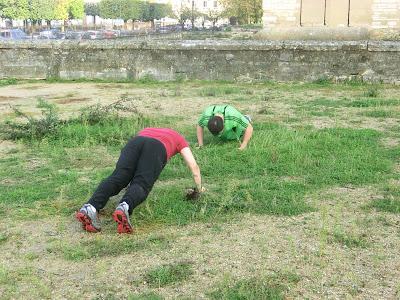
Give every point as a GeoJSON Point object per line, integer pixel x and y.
{"type": "Point", "coordinates": [121, 216]}
{"type": "Point", "coordinates": [87, 215]}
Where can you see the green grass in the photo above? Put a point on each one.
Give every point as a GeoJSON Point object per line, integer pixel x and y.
{"type": "Point", "coordinates": [12, 282]}
{"type": "Point", "coordinates": [248, 181]}
{"type": "Point", "coordinates": [358, 102]}
{"type": "Point", "coordinates": [73, 159]}
{"type": "Point", "coordinates": [168, 274]}
{"type": "Point", "coordinates": [390, 202]}
{"type": "Point", "coordinates": [271, 287]}
{"type": "Point", "coordinates": [146, 296]}
{"type": "Point", "coordinates": [348, 239]}
{"type": "Point", "coordinates": [98, 247]}
{"type": "Point", "coordinates": [217, 91]}
{"type": "Point", "coordinates": [8, 81]}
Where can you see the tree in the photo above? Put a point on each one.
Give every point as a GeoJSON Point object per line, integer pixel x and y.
{"type": "Point", "coordinates": [214, 15]}
{"type": "Point", "coordinates": [121, 9]}
{"type": "Point", "coordinates": [61, 10]}
{"type": "Point", "coordinates": [183, 15]}
{"type": "Point", "coordinates": [246, 11]}
{"type": "Point", "coordinates": [156, 11]}
{"type": "Point", "coordinates": [187, 13]}
{"type": "Point", "coordinates": [14, 9]}
{"type": "Point", "coordinates": [92, 9]}
{"type": "Point", "coordinates": [76, 9]}
{"type": "Point", "coordinates": [41, 10]}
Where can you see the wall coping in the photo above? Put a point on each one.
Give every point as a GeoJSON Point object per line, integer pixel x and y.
{"type": "Point", "coordinates": [216, 45]}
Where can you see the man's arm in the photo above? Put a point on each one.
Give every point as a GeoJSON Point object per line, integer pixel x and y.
{"type": "Point", "coordinates": [246, 136]}
{"type": "Point", "coordinates": [192, 165]}
{"type": "Point", "coordinates": [200, 135]}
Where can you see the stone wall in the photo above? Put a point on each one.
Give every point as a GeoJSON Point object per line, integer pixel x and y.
{"type": "Point", "coordinates": [209, 60]}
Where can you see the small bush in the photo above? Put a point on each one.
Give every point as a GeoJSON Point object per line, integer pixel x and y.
{"type": "Point", "coordinates": [8, 81]}
{"type": "Point", "coordinates": [371, 92]}
{"type": "Point", "coordinates": [33, 129]}
{"type": "Point", "coordinates": [98, 113]}
{"type": "Point", "coordinates": [147, 79]}
{"type": "Point", "coordinates": [322, 81]}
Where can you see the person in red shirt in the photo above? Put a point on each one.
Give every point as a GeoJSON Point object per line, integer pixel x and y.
{"type": "Point", "coordinates": [139, 165]}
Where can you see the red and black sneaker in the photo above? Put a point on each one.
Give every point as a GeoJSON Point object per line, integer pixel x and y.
{"type": "Point", "coordinates": [121, 216]}
{"type": "Point", "coordinates": [87, 215]}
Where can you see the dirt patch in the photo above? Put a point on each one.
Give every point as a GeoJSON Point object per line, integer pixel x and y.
{"type": "Point", "coordinates": [7, 147]}
{"type": "Point", "coordinates": [247, 246]}
{"type": "Point", "coordinates": [390, 142]}
{"type": "Point", "coordinates": [7, 98]}
{"type": "Point", "coordinates": [71, 100]}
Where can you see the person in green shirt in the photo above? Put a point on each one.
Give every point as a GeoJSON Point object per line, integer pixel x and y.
{"type": "Point", "coordinates": [227, 123]}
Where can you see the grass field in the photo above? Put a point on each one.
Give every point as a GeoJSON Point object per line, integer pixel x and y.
{"type": "Point", "coordinates": [310, 210]}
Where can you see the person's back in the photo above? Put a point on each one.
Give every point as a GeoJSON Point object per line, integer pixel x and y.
{"type": "Point", "coordinates": [226, 122]}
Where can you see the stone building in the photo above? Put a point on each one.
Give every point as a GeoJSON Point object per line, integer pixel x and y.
{"type": "Point", "coordinates": [340, 17]}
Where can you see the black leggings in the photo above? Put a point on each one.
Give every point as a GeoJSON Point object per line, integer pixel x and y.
{"type": "Point", "coordinates": [139, 165]}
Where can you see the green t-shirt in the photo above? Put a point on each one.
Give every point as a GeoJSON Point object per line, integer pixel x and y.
{"type": "Point", "coordinates": [234, 122]}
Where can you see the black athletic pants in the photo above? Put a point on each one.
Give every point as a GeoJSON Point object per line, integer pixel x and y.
{"type": "Point", "coordinates": [139, 165]}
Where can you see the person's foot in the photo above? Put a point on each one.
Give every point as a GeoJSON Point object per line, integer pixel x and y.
{"type": "Point", "coordinates": [87, 215]}
{"type": "Point", "coordinates": [121, 216]}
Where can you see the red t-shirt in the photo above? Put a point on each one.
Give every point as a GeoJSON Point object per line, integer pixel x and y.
{"type": "Point", "coordinates": [172, 141]}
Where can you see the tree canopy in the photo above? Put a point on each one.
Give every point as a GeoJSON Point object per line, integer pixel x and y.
{"type": "Point", "coordinates": [246, 11]}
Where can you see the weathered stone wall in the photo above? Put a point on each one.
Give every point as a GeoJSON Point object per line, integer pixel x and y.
{"type": "Point", "coordinates": [210, 60]}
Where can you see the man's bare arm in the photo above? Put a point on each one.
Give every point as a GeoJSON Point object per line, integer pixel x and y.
{"type": "Point", "coordinates": [246, 137]}
{"type": "Point", "coordinates": [200, 135]}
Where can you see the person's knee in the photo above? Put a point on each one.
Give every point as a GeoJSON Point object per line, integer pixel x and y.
{"type": "Point", "coordinates": [120, 178]}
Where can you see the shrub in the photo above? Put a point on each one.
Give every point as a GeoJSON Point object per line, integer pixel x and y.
{"type": "Point", "coordinates": [33, 129]}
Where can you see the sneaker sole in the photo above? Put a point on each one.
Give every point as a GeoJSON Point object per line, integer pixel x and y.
{"type": "Point", "coordinates": [123, 224]}
{"type": "Point", "coordinates": [86, 222]}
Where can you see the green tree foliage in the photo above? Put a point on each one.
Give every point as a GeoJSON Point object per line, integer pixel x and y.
{"type": "Point", "coordinates": [186, 13]}
{"type": "Point", "coordinates": [61, 10]}
{"type": "Point", "coordinates": [76, 9]}
{"type": "Point", "coordinates": [246, 11]}
{"type": "Point", "coordinates": [121, 9]}
{"type": "Point", "coordinates": [14, 9]}
{"type": "Point", "coordinates": [92, 9]}
{"type": "Point", "coordinates": [41, 10]}
{"type": "Point", "coordinates": [156, 11]}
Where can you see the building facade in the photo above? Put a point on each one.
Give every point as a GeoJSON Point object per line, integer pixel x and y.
{"type": "Point", "coordinates": [371, 14]}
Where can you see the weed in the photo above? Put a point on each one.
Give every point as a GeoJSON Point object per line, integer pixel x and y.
{"type": "Point", "coordinates": [147, 79]}
{"type": "Point", "coordinates": [253, 288]}
{"type": "Point", "coordinates": [349, 240]}
{"type": "Point", "coordinates": [147, 296]}
{"type": "Point", "coordinates": [218, 91]}
{"type": "Point", "coordinates": [177, 92]}
{"type": "Point", "coordinates": [168, 274]}
{"type": "Point", "coordinates": [390, 202]}
{"type": "Point", "coordinates": [13, 284]}
{"type": "Point", "coordinates": [3, 238]}
{"type": "Point", "coordinates": [378, 114]}
{"type": "Point", "coordinates": [368, 102]}
{"type": "Point", "coordinates": [33, 129]}
{"type": "Point", "coordinates": [323, 81]}
{"type": "Point", "coordinates": [111, 247]}
{"type": "Point", "coordinates": [372, 92]}
{"type": "Point", "coordinates": [8, 81]}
